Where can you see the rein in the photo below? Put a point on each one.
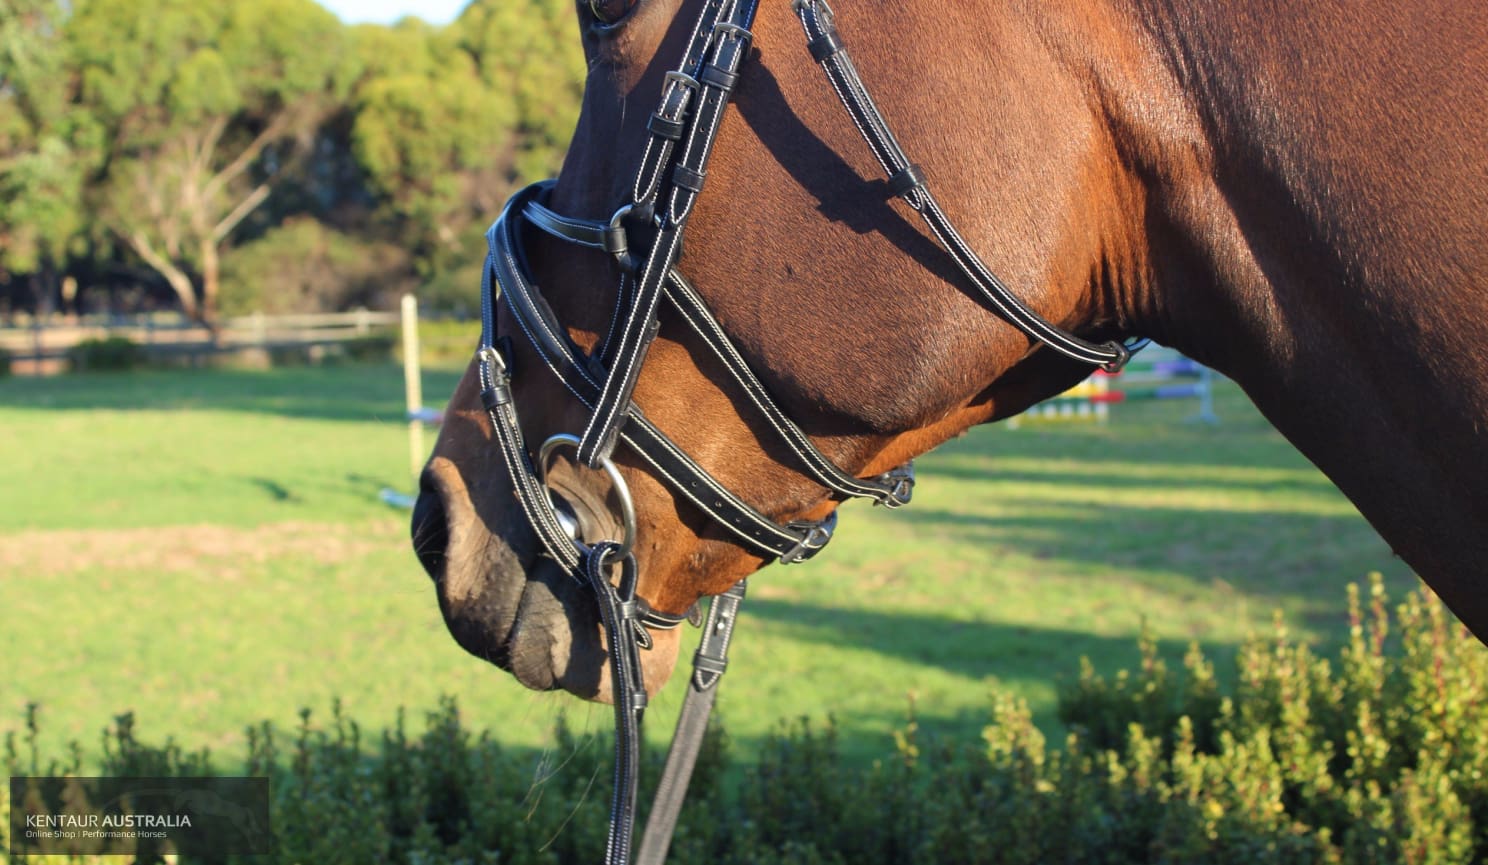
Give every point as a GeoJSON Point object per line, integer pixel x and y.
{"type": "Point", "coordinates": [645, 237]}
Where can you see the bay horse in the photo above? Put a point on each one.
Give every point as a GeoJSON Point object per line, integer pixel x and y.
{"type": "Point", "coordinates": [1293, 192]}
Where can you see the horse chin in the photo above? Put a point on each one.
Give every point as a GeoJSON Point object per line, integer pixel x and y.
{"type": "Point", "coordinates": [556, 641]}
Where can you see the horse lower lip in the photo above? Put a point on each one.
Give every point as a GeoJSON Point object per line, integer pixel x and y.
{"type": "Point", "coordinates": [534, 669]}
{"type": "Point", "coordinates": [539, 645]}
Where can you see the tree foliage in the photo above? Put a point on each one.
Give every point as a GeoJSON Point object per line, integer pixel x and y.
{"type": "Point", "coordinates": [543, 72]}
{"type": "Point", "coordinates": [448, 121]}
{"type": "Point", "coordinates": [204, 108]}
{"type": "Point", "coordinates": [432, 137]}
{"type": "Point", "coordinates": [171, 136]}
{"type": "Point", "coordinates": [304, 266]}
{"type": "Point", "coordinates": [40, 168]}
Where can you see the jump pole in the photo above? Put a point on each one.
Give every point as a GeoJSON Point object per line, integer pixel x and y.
{"type": "Point", "coordinates": [1206, 398]}
{"type": "Point", "coordinates": [1156, 378]}
{"type": "Point", "coordinates": [413, 385]}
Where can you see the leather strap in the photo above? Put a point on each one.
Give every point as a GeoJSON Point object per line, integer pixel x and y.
{"type": "Point", "coordinates": [579, 375]}
{"type": "Point", "coordinates": [883, 490]}
{"type": "Point", "coordinates": [892, 489]}
{"type": "Point", "coordinates": [907, 181]}
{"type": "Point", "coordinates": [729, 46]}
{"type": "Point", "coordinates": [617, 609]}
{"type": "Point", "coordinates": [610, 238]}
{"type": "Point", "coordinates": [708, 666]}
{"type": "Point", "coordinates": [495, 379]}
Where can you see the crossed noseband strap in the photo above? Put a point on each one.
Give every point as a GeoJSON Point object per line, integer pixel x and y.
{"type": "Point", "coordinates": [645, 238]}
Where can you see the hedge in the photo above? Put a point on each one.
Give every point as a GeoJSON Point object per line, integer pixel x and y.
{"type": "Point", "coordinates": [1375, 756]}
{"type": "Point", "coordinates": [106, 354]}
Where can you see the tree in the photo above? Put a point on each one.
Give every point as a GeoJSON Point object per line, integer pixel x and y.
{"type": "Point", "coordinates": [448, 121]}
{"type": "Point", "coordinates": [529, 49]}
{"type": "Point", "coordinates": [204, 109]}
{"type": "Point", "coordinates": [41, 166]}
{"type": "Point", "coordinates": [429, 133]}
{"type": "Point", "coordinates": [304, 265]}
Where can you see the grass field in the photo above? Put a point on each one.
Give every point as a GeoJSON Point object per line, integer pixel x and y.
{"type": "Point", "coordinates": [206, 549]}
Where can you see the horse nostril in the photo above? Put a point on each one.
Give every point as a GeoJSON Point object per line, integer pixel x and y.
{"type": "Point", "coordinates": [430, 531]}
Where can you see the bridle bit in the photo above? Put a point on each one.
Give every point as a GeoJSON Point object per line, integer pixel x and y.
{"type": "Point", "coordinates": [614, 549]}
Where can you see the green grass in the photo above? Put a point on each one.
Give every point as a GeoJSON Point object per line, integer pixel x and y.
{"type": "Point", "coordinates": [188, 447]}
{"type": "Point", "coordinates": [206, 549]}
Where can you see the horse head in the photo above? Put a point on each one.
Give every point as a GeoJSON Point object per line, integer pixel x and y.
{"type": "Point", "coordinates": [1097, 154]}
{"type": "Point", "coordinates": [844, 307]}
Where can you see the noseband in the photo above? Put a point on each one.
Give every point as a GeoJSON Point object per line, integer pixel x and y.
{"type": "Point", "coordinates": [645, 237]}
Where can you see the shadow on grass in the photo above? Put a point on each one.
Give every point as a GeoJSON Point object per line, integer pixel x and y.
{"type": "Point", "coordinates": [1093, 474]}
{"type": "Point", "coordinates": [1274, 556]}
{"type": "Point", "coordinates": [1243, 441]}
{"type": "Point", "coordinates": [988, 657]}
{"type": "Point", "coordinates": [275, 490]}
{"type": "Point", "coordinates": [974, 649]}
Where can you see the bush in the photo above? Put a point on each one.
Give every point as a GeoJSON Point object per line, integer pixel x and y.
{"type": "Point", "coordinates": [373, 348]}
{"type": "Point", "coordinates": [4, 362]}
{"type": "Point", "coordinates": [446, 342]}
{"type": "Point", "coordinates": [304, 266]}
{"type": "Point", "coordinates": [455, 291]}
{"type": "Point", "coordinates": [1377, 759]}
{"type": "Point", "coordinates": [108, 354]}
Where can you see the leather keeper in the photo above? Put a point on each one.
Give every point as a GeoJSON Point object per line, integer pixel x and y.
{"type": "Point", "coordinates": [688, 179]}
{"type": "Point", "coordinates": [616, 241]}
{"type": "Point", "coordinates": [714, 75]}
{"type": "Point", "coordinates": [906, 180]}
{"type": "Point", "coordinates": [496, 396]}
{"type": "Point", "coordinates": [824, 46]}
{"type": "Point", "coordinates": [665, 127]}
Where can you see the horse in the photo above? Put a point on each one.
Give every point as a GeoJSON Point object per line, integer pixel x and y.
{"type": "Point", "coordinates": [1292, 193]}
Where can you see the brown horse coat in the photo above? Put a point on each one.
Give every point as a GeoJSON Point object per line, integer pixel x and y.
{"type": "Point", "coordinates": [1293, 192]}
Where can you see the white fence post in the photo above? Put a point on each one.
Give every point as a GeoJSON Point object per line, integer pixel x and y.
{"type": "Point", "coordinates": [413, 385]}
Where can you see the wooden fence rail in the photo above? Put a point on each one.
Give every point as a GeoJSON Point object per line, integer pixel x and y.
{"type": "Point", "coordinates": [42, 347]}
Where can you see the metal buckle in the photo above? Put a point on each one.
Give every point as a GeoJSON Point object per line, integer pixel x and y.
{"type": "Point", "coordinates": [495, 375]}
{"type": "Point", "coordinates": [628, 263]}
{"type": "Point", "coordinates": [815, 540]}
{"type": "Point", "coordinates": [622, 491]}
{"type": "Point", "coordinates": [903, 479]}
{"type": "Point", "coordinates": [822, 9]}
{"type": "Point", "coordinates": [682, 79]}
{"type": "Point", "coordinates": [1123, 354]}
{"type": "Point", "coordinates": [732, 29]}
{"type": "Point", "coordinates": [493, 359]}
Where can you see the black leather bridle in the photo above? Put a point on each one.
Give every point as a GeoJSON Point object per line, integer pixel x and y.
{"type": "Point", "coordinates": [645, 237]}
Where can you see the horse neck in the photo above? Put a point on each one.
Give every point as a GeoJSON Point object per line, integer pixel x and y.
{"type": "Point", "coordinates": [1312, 226]}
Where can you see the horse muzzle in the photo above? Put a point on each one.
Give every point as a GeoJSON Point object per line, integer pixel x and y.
{"type": "Point", "coordinates": [505, 602]}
